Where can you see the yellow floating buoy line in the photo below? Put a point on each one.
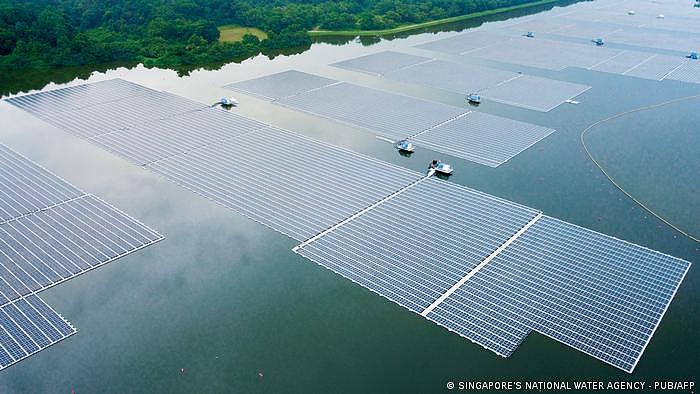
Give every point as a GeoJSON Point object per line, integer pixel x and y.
{"type": "Point", "coordinates": [610, 178]}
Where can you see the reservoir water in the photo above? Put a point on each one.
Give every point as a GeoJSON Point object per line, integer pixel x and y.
{"type": "Point", "coordinates": [225, 299]}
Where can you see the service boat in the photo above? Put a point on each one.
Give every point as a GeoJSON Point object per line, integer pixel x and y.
{"type": "Point", "coordinates": [405, 146]}
{"type": "Point", "coordinates": [474, 98]}
{"type": "Point", "coordinates": [439, 167]}
{"type": "Point", "coordinates": [227, 102]}
{"type": "Point", "coordinates": [598, 41]}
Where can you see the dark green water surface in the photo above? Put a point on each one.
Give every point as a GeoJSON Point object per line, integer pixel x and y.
{"type": "Point", "coordinates": [225, 298]}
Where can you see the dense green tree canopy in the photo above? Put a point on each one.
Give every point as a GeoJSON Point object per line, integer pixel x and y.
{"type": "Point", "coordinates": [49, 33]}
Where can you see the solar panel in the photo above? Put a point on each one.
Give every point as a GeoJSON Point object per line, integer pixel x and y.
{"type": "Point", "coordinates": [415, 246]}
{"type": "Point", "coordinates": [88, 119]}
{"type": "Point", "coordinates": [423, 243]}
{"type": "Point", "coordinates": [162, 138]}
{"type": "Point", "coordinates": [482, 138]}
{"type": "Point", "coordinates": [384, 113]}
{"type": "Point", "coordinates": [547, 54]}
{"type": "Point", "coordinates": [50, 232]}
{"type": "Point", "coordinates": [27, 326]}
{"type": "Point", "coordinates": [624, 61]}
{"type": "Point", "coordinates": [688, 72]}
{"type": "Point", "coordinates": [26, 187]}
{"type": "Point", "coordinates": [48, 247]}
{"type": "Point", "coordinates": [78, 97]}
{"type": "Point", "coordinates": [464, 43]}
{"type": "Point", "coordinates": [595, 293]}
{"type": "Point", "coordinates": [656, 67]}
{"type": "Point", "coordinates": [655, 38]}
{"type": "Point", "coordinates": [279, 85]}
{"type": "Point", "coordinates": [540, 94]}
{"type": "Point", "coordinates": [452, 77]}
{"type": "Point", "coordinates": [381, 63]}
{"type": "Point", "coordinates": [283, 180]}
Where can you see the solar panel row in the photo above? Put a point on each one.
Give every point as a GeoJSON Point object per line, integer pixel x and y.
{"type": "Point", "coordinates": [27, 326]}
{"type": "Point", "coordinates": [50, 232]}
{"type": "Point", "coordinates": [26, 188]}
{"type": "Point", "coordinates": [415, 246]}
{"type": "Point", "coordinates": [382, 62]}
{"type": "Point", "coordinates": [387, 114]}
{"type": "Point", "coordinates": [643, 50]}
{"type": "Point", "coordinates": [298, 194]}
{"type": "Point", "coordinates": [105, 114]}
{"type": "Point", "coordinates": [280, 85]}
{"type": "Point", "coordinates": [181, 133]}
{"type": "Point", "coordinates": [597, 294]}
{"type": "Point", "coordinates": [497, 85]}
{"type": "Point", "coordinates": [40, 250]}
{"type": "Point", "coordinates": [482, 138]}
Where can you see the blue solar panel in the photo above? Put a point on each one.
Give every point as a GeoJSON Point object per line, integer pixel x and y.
{"type": "Point", "coordinates": [381, 63]}
{"type": "Point", "coordinates": [415, 246]}
{"type": "Point", "coordinates": [279, 85]}
{"type": "Point", "coordinates": [96, 112]}
{"type": "Point", "coordinates": [595, 293]}
{"type": "Point", "coordinates": [50, 232]}
{"type": "Point", "coordinates": [288, 182]}
{"type": "Point", "coordinates": [28, 326]}
{"type": "Point", "coordinates": [54, 245]}
{"type": "Point", "coordinates": [25, 187]}
{"type": "Point", "coordinates": [384, 113]}
{"type": "Point", "coordinates": [464, 259]}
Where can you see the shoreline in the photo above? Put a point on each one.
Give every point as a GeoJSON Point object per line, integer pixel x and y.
{"type": "Point", "coordinates": [416, 26]}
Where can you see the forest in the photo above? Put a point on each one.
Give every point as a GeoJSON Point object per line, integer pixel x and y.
{"type": "Point", "coordinates": [40, 34]}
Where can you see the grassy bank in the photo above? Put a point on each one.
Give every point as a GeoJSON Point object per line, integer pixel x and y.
{"type": "Point", "coordinates": [233, 33]}
{"type": "Point", "coordinates": [405, 28]}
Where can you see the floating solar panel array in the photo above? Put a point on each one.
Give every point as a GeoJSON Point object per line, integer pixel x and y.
{"type": "Point", "coordinates": [497, 85]}
{"type": "Point", "coordinates": [415, 246]}
{"type": "Point", "coordinates": [283, 180]}
{"type": "Point", "coordinates": [483, 267]}
{"type": "Point", "coordinates": [492, 271]}
{"type": "Point", "coordinates": [28, 326]}
{"type": "Point", "coordinates": [130, 106]}
{"type": "Point", "coordinates": [50, 232]}
{"type": "Point", "coordinates": [382, 62]}
{"type": "Point", "coordinates": [595, 293]}
{"type": "Point", "coordinates": [279, 85]}
{"type": "Point", "coordinates": [555, 51]}
{"type": "Point", "coordinates": [384, 113]}
{"type": "Point", "coordinates": [443, 128]}
{"type": "Point", "coordinates": [267, 174]}
{"type": "Point", "coordinates": [482, 138]}
{"type": "Point", "coordinates": [464, 43]}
